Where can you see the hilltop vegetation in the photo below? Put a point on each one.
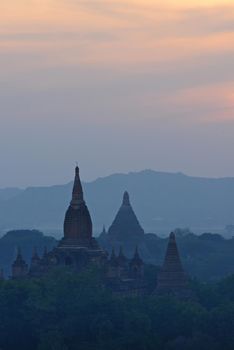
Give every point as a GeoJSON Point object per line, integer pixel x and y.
{"type": "Point", "coordinates": [66, 311]}
{"type": "Point", "coordinates": [207, 257]}
{"type": "Point", "coordinates": [27, 240]}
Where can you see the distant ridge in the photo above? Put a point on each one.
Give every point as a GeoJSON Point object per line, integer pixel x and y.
{"type": "Point", "coordinates": [162, 201]}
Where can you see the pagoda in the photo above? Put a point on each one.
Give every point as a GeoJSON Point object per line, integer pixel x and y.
{"type": "Point", "coordinates": [172, 278]}
{"type": "Point", "coordinates": [78, 248]}
{"type": "Point", "coordinates": [126, 227]}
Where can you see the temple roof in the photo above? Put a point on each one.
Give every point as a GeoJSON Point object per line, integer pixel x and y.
{"type": "Point", "coordinates": [19, 261]}
{"type": "Point", "coordinates": [122, 260]}
{"type": "Point", "coordinates": [77, 192]}
{"type": "Point", "coordinates": [172, 276]}
{"type": "Point", "coordinates": [125, 225]}
{"type": "Point", "coordinates": [136, 260]}
{"type": "Point", "coordinates": [172, 260]}
{"type": "Point", "coordinates": [78, 223]}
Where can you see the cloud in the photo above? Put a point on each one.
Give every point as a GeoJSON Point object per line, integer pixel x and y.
{"type": "Point", "coordinates": [94, 70]}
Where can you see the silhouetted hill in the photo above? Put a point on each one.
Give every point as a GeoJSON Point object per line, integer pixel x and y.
{"type": "Point", "coordinates": [8, 193]}
{"type": "Point", "coordinates": [162, 201]}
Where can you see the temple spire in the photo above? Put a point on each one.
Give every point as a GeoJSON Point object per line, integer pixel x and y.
{"type": "Point", "coordinates": [136, 258]}
{"type": "Point", "coordinates": [136, 265]}
{"type": "Point", "coordinates": [172, 257]}
{"type": "Point", "coordinates": [77, 222]}
{"type": "Point", "coordinates": [19, 257]}
{"type": "Point", "coordinates": [19, 266]}
{"type": "Point", "coordinates": [172, 278]}
{"type": "Point", "coordinates": [136, 254]}
{"type": "Point", "coordinates": [126, 200]}
{"type": "Point", "coordinates": [77, 193]}
{"type": "Point", "coordinates": [126, 226]}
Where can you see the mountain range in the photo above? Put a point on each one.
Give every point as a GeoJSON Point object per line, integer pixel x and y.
{"type": "Point", "coordinates": [162, 201]}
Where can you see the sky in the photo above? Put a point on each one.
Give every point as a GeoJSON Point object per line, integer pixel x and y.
{"type": "Point", "coordinates": [116, 86]}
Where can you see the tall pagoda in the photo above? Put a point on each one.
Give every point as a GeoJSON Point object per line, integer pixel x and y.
{"type": "Point", "coordinates": [172, 278]}
{"type": "Point", "coordinates": [78, 248]}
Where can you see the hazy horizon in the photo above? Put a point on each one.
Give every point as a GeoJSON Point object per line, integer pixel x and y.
{"type": "Point", "coordinates": [127, 172]}
{"type": "Point", "coordinates": [117, 86]}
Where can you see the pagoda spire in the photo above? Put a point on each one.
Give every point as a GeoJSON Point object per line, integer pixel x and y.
{"type": "Point", "coordinates": [126, 226]}
{"type": "Point", "coordinates": [136, 256]}
{"type": "Point", "coordinates": [172, 278]}
{"type": "Point", "coordinates": [172, 258]}
{"type": "Point", "coordinates": [77, 192]}
{"type": "Point", "coordinates": [126, 199]}
{"type": "Point", "coordinates": [19, 266]}
{"type": "Point", "coordinates": [136, 265]}
{"type": "Point", "coordinates": [19, 257]}
{"type": "Point", "coordinates": [77, 222]}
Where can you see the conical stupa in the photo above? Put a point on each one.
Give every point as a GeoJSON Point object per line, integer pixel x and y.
{"type": "Point", "coordinates": [125, 226]}
{"type": "Point", "coordinates": [19, 266]}
{"type": "Point", "coordinates": [172, 278]}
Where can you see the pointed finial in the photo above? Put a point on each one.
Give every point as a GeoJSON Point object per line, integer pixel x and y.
{"type": "Point", "coordinates": [77, 192]}
{"type": "Point", "coordinates": [136, 258]}
{"type": "Point", "coordinates": [19, 257]}
{"type": "Point", "coordinates": [126, 200]}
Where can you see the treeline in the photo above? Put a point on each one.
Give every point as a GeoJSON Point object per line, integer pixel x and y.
{"type": "Point", "coordinates": [208, 257]}
{"type": "Point", "coordinates": [66, 311]}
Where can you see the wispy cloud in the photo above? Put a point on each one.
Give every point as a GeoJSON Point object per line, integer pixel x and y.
{"type": "Point", "coordinates": [158, 67]}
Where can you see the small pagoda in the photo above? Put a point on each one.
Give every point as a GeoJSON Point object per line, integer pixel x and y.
{"type": "Point", "coordinates": [172, 278]}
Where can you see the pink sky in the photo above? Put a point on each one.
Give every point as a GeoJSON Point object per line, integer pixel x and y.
{"type": "Point", "coordinates": [117, 85]}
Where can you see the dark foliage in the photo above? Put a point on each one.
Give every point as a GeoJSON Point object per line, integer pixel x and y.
{"type": "Point", "coordinates": [26, 240]}
{"type": "Point", "coordinates": [206, 257]}
{"type": "Point", "coordinates": [64, 311]}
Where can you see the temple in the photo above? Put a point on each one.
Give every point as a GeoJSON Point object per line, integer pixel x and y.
{"type": "Point", "coordinates": [19, 267]}
{"type": "Point", "coordinates": [172, 278]}
{"type": "Point", "coordinates": [126, 226]}
{"type": "Point", "coordinates": [78, 250]}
